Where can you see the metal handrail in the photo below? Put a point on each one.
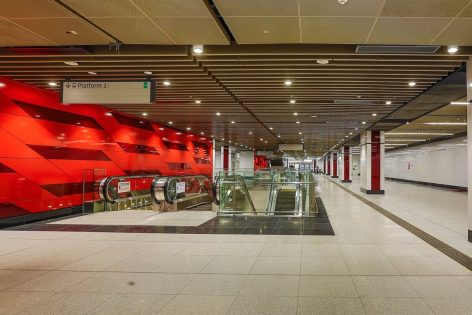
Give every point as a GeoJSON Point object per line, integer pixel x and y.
{"type": "Point", "coordinates": [240, 179]}
{"type": "Point", "coordinates": [104, 185]}
{"type": "Point", "coordinates": [160, 187]}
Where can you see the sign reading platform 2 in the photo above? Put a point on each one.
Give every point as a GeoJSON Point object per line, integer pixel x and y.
{"type": "Point", "coordinates": [101, 92]}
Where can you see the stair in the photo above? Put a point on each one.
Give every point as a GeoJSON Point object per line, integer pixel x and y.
{"type": "Point", "coordinates": [285, 200]}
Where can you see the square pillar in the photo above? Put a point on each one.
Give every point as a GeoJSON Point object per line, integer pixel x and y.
{"type": "Point", "coordinates": [328, 167]}
{"type": "Point", "coordinates": [469, 148]}
{"type": "Point", "coordinates": [372, 162]}
{"type": "Point", "coordinates": [334, 164]}
{"type": "Point", "coordinates": [346, 164]}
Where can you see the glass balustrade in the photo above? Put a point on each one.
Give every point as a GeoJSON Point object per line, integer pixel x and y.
{"type": "Point", "coordinates": [271, 192]}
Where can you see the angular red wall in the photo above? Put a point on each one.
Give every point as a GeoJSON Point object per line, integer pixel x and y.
{"type": "Point", "coordinates": [46, 146]}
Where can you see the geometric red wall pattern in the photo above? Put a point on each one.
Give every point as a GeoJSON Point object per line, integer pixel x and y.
{"type": "Point", "coordinates": [46, 146]}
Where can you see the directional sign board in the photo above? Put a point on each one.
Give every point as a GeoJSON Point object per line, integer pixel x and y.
{"type": "Point", "coordinates": [291, 147]}
{"type": "Point", "coordinates": [101, 92]}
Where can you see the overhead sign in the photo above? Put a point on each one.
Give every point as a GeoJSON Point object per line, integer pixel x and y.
{"type": "Point", "coordinates": [290, 147]}
{"type": "Point", "coordinates": [124, 187]}
{"type": "Point", "coordinates": [101, 92]}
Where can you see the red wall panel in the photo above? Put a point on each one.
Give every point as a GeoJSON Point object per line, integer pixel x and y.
{"type": "Point", "coordinates": [47, 146]}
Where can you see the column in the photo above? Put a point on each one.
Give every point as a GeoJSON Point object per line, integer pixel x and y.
{"type": "Point", "coordinates": [328, 167]}
{"type": "Point", "coordinates": [372, 162]}
{"type": "Point", "coordinates": [225, 157]}
{"type": "Point", "coordinates": [324, 165]}
{"type": "Point", "coordinates": [346, 164]}
{"type": "Point", "coordinates": [334, 164]}
{"type": "Point", "coordinates": [469, 147]}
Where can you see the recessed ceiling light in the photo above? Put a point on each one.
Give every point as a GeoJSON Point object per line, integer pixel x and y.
{"type": "Point", "coordinates": [218, 114]}
{"type": "Point", "coordinates": [295, 114]}
{"type": "Point", "coordinates": [288, 82]}
{"type": "Point", "coordinates": [342, 2]}
{"type": "Point", "coordinates": [314, 116]}
{"type": "Point", "coordinates": [374, 114]}
{"type": "Point", "coordinates": [363, 122]}
{"type": "Point", "coordinates": [460, 103]}
{"type": "Point", "coordinates": [188, 128]}
{"type": "Point", "coordinates": [388, 102]}
{"type": "Point", "coordinates": [178, 133]}
{"type": "Point", "coordinates": [250, 132]}
{"type": "Point", "coordinates": [170, 122]}
{"type": "Point", "coordinates": [148, 72]}
{"type": "Point", "coordinates": [233, 122]}
{"type": "Point", "coordinates": [71, 32]}
{"type": "Point", "coordinates": [297, 122]}
{"type": "Point", "coordinates": [229, 141]}
{"type": "Point", "coordinates": [52, 83]}
{"type": "Point", "coordinates": [265, 141]}
{"type": "Point", "coordinates": [161, 128]}
{"type": "Point", "coordinates": [322, 61]}
{"type": "Point", "coordinates": [265, 31]}
{"type": "Point", "coordinates": [412, 83]}
{"type": "Point", "coordinates": [357, 128]}
{"type": "Point", "coordinates": [2, 84]}
{"type": "Point", "coordinates": [166, 83]}
{"type": "Point", "coordinates": [293, 101]}
{"type": "Point", "coordinates": [202, 133]}
{"type": "Point", "coordinates": [144, 114]}
{"type": "Point", "coordinates": [452, 49]}
{"type": "Point", "coordinates": [71, 63]}
{"type": "Point", "coordinates": [271, 128]}
{"type": "Point", "coordinates": [262, 139]}
{"type": "Point", "coordinates": [300, 133]}
{"type": "Point", "coordinates": [198, 49]}
{"type": "Point", "coordinates": [92, 73]}
{"type": "Point", "coordinates": [198, 102]}
{"type": "Point", "coordinates": [223, 139]}
{"type": "Point", "coordinates": [278, 136]}
{"type": "Point", "coordinates": [350, 133]}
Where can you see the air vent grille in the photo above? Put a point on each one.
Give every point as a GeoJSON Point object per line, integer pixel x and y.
{"type": "Point", "coordinates": [396, 49]}
{"type": "Point", "coordinates": [353, 102]}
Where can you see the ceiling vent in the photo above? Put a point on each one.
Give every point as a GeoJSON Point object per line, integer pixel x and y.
{"type": "Point", "coordinates": [396, 49]}
{"type": "Point", "coordinates": [353, 102]}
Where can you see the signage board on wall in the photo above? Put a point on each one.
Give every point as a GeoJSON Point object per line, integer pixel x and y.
{"type": "Point", "coordinates": [124, 187]}
{"type": "Point", "coordinates": [180, 187]}
{"type": "Point", "coordinates": [108, 92]}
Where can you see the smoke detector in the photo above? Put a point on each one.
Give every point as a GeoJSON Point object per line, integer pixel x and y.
{"type": "Point", "coordinates": [342, 2]}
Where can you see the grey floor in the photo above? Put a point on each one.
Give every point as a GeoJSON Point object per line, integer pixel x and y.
{"type": "Point", "coordinates": [371, 266]}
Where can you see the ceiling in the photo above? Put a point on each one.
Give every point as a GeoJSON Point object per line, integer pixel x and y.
{"type": "Point", "coordinates": [237, 81]}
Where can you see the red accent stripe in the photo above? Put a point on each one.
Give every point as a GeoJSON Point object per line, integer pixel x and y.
{"type": "Point", "coordinates": [65, 153]}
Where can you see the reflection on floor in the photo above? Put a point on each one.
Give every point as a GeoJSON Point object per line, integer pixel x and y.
{"type": "Point", "coordinates": [371, 266]}
{"type": "Point", "coordinates": [142, 217]}
{"type": "Point", "coordinates": [437, 211]}
{"type": "Point", "coordinates": [188, 222]}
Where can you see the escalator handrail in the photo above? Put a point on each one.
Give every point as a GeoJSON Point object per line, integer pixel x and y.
{"type": "Point", "coordinates": [105, 182]}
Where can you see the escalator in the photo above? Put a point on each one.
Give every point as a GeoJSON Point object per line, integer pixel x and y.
{"type": "Point", "coordinates": [285, 201]}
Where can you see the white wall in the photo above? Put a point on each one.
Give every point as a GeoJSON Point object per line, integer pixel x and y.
{"type": "Point", "coordinates": [246, 160]}
{"type": "Point", "coordinates": [442, 162]}
{"type": "Point", "coordinates": [355, 171]}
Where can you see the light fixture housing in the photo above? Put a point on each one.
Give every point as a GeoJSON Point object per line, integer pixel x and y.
{"type": "Point", "coordinates": [452, 49]}
{"type": "Point", "coordinates": [288, 82]}
{"type": "Point", "coordinates": [71, 63]}
{"type": "Point", "coordinates": [293, 101]}
{"type": "Point", "coordinates": [166, 83]}
{"type": "Point", "coordinates": [52, 83]}
{"type": "Point", "coordinates": [388, 102]}
{"type": "Point", "coordinates": [170, 122]}
{"type": "Point", "coordinates": [218, 114]}
{"type": "Point", "coordinates": [460, 103]}
{"type": "Point", "coordinates": [148, 72]}
{"type": "Point", "coordinates": [198, 49]}
{"type": "Point", "coordinates": [144, 114]}
{"type": "Point", "coordinates": [2, 84]}
{"type": "Point", "coordinates": [92, 73]}
{"type": "Point", "coordinates": [322, 61]}
{"type": "Point", "coordinates": [412, 83]}
{"type": "Point", "coordinates": [374, 114]}
{"type": "Point", "coordinates": [198, 102]}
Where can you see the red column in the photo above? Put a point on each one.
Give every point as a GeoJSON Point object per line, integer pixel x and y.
{"type": "Point", "coordinates": [335, 165]}
{"type": "Point", "coordinates": [329, 166]}
{"type": "Point", "coordinates": [346, 178]}
{"type": "Point", "coordinates": [225, 158]}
